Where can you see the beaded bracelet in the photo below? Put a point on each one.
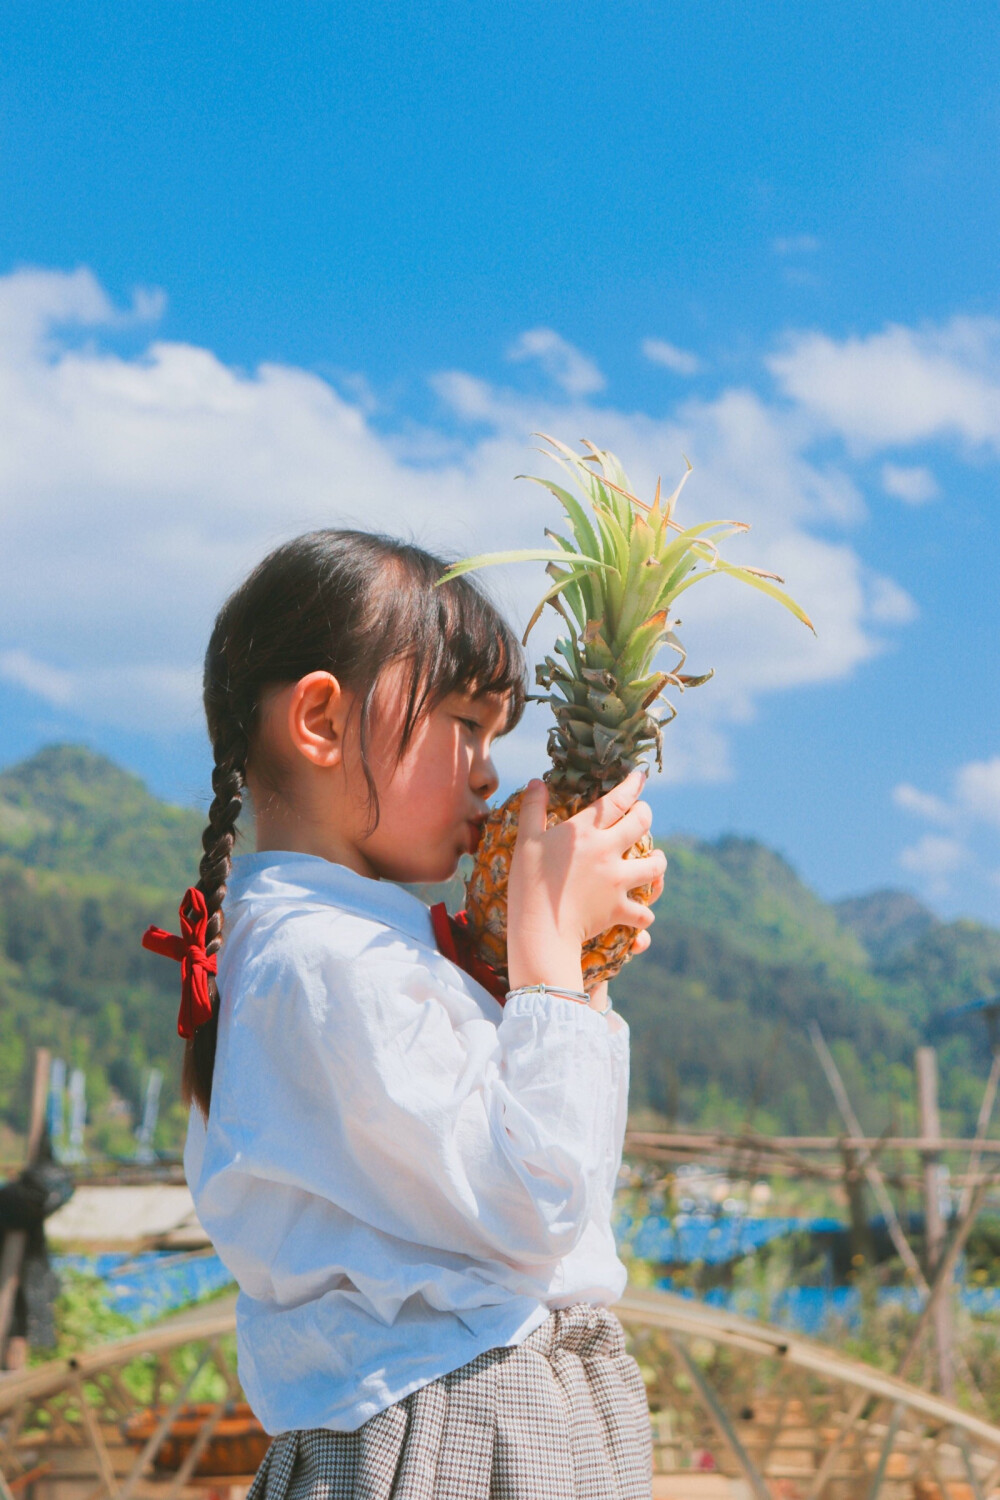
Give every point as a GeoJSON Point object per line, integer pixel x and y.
{"type": "Point", "coordinates": [579, 997]}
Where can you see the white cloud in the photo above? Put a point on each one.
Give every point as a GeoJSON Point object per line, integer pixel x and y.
{"type": "Point", "coordinates": [562, 362]}
{"type": "Point", "coordinates": [43, 681]}
{"type": "Point", "coordinates": [916, 485]}
{"type": "Point", "coordinates": [924, 804]}
{"type": "Point", "coordinates": [935, 856]}
{"type": "Point", "coordinates": [795, 244]}
{"type": "Point", "coordinates": [902, 385]}
{"type": "Point", "coordinates": [888, 604]}
{"type": "Point", "coordinates": [34, 303]}
{"type": "Point", "coordinates": [157, 699]}
{"type": "Point", "coordinates": [970, 813]}
{"type": "Point", "coordinates": [681, 361]}
{"type": "Point", "coordinates": [136, 491]}
{"type": "Point", "coordinates": [975, 796]}
{"type": "Point", "coordinates": [977, 790]}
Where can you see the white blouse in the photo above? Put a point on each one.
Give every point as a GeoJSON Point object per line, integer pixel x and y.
{"type": "Point", "coordinates": [399, 1172]}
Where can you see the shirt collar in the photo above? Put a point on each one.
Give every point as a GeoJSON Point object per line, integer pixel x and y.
{"type": "Point", "coordinates": [284, 877]}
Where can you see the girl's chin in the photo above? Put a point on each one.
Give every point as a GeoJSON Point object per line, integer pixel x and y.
{"type": "Point", "coordinates": [434, 875]}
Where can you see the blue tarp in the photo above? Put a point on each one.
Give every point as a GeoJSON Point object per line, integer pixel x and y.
{"type": "Point", "coordinates": [816, 1310]}
{"type": "Point", "coordinates": [148, 1286]}
{"type": "Point", "coordinates": [714, 1241]}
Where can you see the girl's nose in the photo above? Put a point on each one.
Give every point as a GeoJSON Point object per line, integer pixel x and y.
{"type": "Point", "coordinates": [485, 778]}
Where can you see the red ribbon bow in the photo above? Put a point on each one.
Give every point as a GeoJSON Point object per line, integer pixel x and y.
{"type": "Point", "coordinates": [455, 941]}
{"type": "Point", "coordinates": [196, 964]}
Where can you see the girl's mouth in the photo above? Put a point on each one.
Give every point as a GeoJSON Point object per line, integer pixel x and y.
{"type": "Point", "coordinates": [474, 830]}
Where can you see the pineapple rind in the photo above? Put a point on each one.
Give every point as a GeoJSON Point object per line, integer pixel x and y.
{"type": "Point", "coordinates": [613, 584]}
{"type": "Point", "coordinates": [486, 893]}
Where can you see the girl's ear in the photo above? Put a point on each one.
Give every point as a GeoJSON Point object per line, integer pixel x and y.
{"type": "Point", "coordinates": [318, 709]}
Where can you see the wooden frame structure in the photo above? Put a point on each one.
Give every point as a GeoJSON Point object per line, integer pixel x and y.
{"type": "Point", "coordinates": [732, 1400]}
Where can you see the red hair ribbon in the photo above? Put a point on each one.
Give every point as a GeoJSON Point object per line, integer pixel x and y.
{"type": "Point", "coordinates": [196, 964]}
{"type": "Point", "coordinates": [455, 941]}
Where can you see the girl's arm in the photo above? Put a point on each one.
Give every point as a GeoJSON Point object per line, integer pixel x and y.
{"type": "Point", "coordinates": [379, 1085]}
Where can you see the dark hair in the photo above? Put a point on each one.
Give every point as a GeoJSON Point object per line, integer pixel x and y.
{"type": "Point", "coordinates": [348, 603]}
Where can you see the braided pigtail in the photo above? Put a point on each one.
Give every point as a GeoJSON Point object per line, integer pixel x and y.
{"type": "Point", "coordinates": [347, 603]}
{"type": "Point", "coordinates": [217, 842]}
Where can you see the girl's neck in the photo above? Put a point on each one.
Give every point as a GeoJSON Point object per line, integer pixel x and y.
{"type": "Point", "coordinates": [284, 825]}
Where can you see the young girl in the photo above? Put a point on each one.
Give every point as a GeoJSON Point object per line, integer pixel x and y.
{"type": "Point", "coordinates": [409, 1178]}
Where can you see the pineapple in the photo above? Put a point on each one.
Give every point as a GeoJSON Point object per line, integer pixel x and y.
{"type": "Point", "coordinates": [614, 584]}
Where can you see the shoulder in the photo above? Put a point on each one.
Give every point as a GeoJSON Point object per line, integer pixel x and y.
{"type": "Point", "coordinates": [307, 928]}
{"type": "Point", "coordinates": [298, 945]}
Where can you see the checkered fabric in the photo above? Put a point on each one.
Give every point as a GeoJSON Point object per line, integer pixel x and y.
{"type": "Point", "coordinates": [561, 1417]}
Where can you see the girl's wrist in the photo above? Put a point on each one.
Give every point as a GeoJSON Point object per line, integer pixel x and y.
{"type": "Point", "coordinates": [600, 1000]}
{"type": "Point", "coordinates": [558, 968]}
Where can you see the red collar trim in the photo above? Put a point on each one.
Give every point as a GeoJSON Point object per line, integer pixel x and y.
{"type": "Point", "coordinates": [455, 942]}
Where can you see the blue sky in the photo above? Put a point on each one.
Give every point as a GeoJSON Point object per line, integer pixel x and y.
{"type": "Point", "coordinates": [266, 267]}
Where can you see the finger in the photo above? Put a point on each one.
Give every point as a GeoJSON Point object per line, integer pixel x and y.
{"type": "Point", "coordinates": [630, 828]}
{"type": "Point", "coordinates": [534, 802]}
{"type": "Point", "coordinates": [644, 871]}
{"type": "Point", "coordinates": [641, 942]}
{"type": "Point", "coordinates": [635, 914]}
{"type": "Point", "coordinates": [608, 809]}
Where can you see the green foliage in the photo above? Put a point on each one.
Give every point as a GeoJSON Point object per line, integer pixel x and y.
{"type": "Point", "coordinates": [71, 810]}
{"type": "Point", "coordinates": [743, 957]}
{"type": "Point", "coordinates": [83, 1317]}
{"type": "Point", "coordinates": [84, 1320]}
{"type": "Point", "coordinates": [73, 977]}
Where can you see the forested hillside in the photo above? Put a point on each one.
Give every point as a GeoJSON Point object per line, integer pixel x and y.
{"type": "Point", "coordinates": [743, 957]}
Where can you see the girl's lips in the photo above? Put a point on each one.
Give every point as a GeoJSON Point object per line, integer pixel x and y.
{"type": "Point", "coordinates": [475, 832]}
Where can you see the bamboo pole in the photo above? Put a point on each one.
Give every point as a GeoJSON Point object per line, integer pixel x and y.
{"type": "Point", "coordinates": [877, 1184]}
{"type": "Point", "coordinates": [982, 1125]}
{"type": "Point", "coordinates": [875, 1179]}
{"type": "Point", "coordinates": [934, 1224]}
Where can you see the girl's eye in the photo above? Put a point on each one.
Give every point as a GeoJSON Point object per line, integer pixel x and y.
{"type": "Point", "coordinates": [472, 724]}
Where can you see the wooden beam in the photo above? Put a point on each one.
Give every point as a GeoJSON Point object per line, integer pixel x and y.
{"type": "Point", "coordinates": [685, 1316]}
{"type": "Point", "coordinates": [707, 1140]}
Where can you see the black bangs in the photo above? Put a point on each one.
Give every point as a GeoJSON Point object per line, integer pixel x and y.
{"type": "Point", "coordinates": [453, 639]}
{"type": "Point", "coordinates": [470, 648]}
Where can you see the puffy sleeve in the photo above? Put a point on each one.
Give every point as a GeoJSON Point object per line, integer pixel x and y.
{"type": "Point", "coordinates": [384, 1081]}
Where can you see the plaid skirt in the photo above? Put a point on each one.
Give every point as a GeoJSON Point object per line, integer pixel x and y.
{"type": "Point", "coordinates": [562, 1416]}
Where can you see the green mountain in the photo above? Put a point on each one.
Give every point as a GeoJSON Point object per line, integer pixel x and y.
{"type": "Point", "coordinates": [71, 810]}
{"type": "Point", "coordinates": [744, 956]}
{"type": "Point", "coordinates": [885, 922]}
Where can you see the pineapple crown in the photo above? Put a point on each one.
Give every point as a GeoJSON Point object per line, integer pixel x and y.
{"type": "Point", "coordinates": [615, 584]}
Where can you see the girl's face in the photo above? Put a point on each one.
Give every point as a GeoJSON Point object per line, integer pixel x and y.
{"type": "Point", "coordinates": [431, 804]}
{"type": "Point", "coordinates": [309, 791]}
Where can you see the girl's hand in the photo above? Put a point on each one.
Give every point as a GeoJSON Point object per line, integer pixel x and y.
{"type": "Point", "coordinates": [570, 882]}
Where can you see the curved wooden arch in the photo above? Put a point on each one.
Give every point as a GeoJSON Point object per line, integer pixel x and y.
{"type": "Point", "coordinates": [731, 1399]}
